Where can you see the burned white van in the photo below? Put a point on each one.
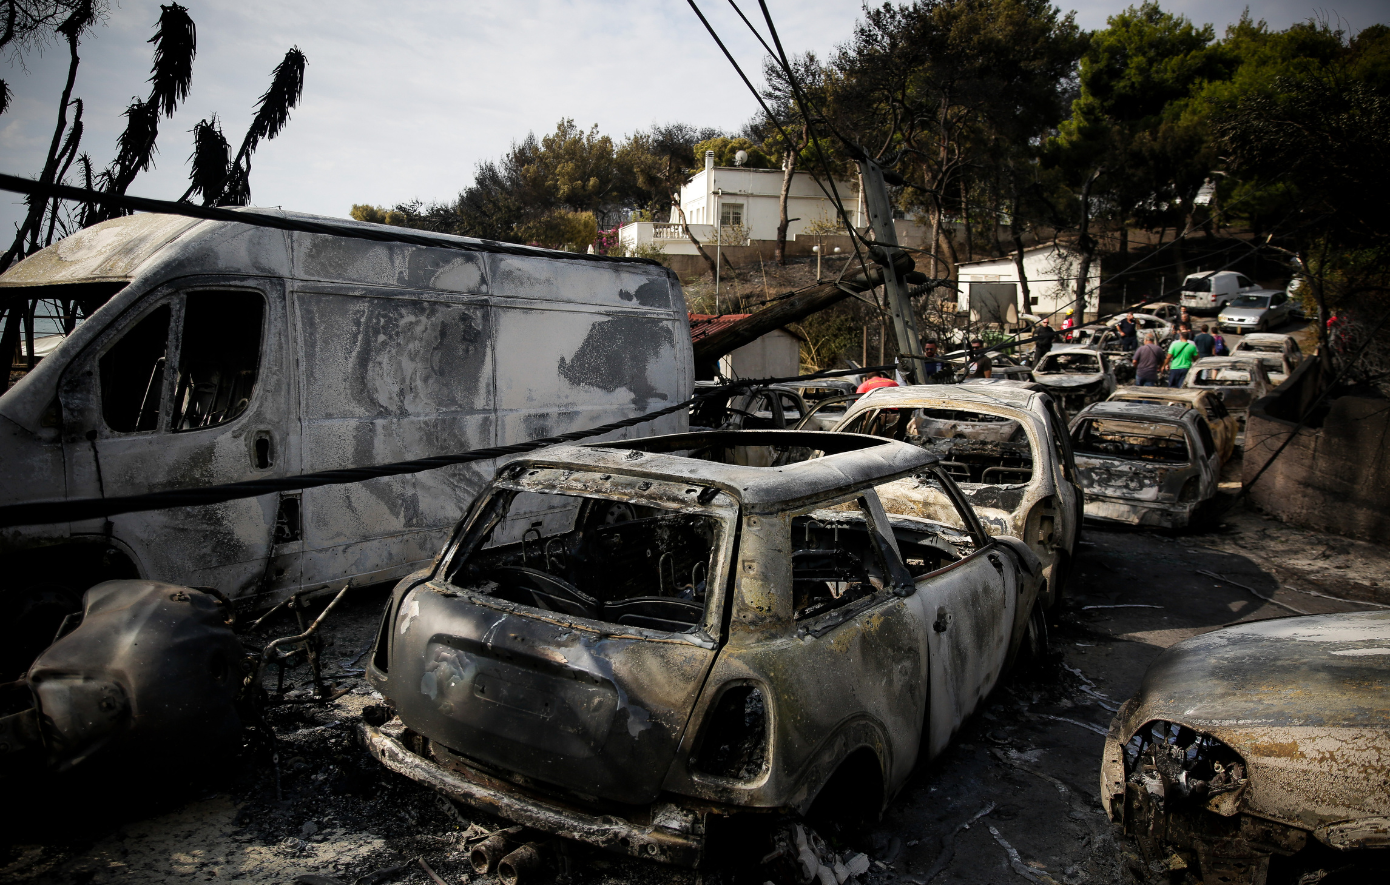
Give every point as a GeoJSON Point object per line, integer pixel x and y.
{"type": "Point", "coordinates": [225, 352]}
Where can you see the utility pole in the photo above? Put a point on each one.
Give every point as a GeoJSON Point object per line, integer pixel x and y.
{"type": "Point", "coordinates": [885, 250]}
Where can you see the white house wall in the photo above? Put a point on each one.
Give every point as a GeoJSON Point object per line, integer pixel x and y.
{"type": "Point", "coordinates": [1051, 279]}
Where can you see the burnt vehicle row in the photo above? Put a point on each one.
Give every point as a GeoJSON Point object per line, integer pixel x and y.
{"type": "Point", "coordinates": [1258, 753]}
{"type": "Point", "coordinates": [629, 644]}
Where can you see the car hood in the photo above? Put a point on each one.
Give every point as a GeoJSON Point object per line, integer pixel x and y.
{"type": "Point", "coordinates": [1233, 312]}
{"type": "Point", "coordinates": [1305, 701]}
{"type": "Point", "coordinates": [1066, 381]}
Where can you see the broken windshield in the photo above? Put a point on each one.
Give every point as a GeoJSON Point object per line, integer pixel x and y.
{"type": "Point", "coordinates": [1131, 440]}
{"type": "Point", "coordinates": [1069, 364]}
{"type": "Point", "coordinates": [975, 447]}
{"type": "Point", "coordinates": [1223, 377]}
{"type": "Point", "coordinates": [617, 558]}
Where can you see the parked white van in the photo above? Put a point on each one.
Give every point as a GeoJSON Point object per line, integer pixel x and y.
{"type": "Point", "coordinates": [1211, 290]}
{"type": "Point", "coordinates": [226, 352]}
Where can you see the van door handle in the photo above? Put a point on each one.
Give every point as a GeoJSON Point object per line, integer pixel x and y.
{"type": "Point", "coordinates": [263, 450]}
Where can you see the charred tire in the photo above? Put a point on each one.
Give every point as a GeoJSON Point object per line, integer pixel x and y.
{"type": "Point", "coordinates": [1033, 650]}
{"type": "Point", "coordinates": [1058, 583]}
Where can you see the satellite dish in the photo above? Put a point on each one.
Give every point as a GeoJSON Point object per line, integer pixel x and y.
{"type": "Point", "coordinates": [740, 158]}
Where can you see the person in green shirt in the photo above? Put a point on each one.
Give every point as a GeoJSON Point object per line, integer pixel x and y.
{"type": "Point", "coordinates": [1181, 354]}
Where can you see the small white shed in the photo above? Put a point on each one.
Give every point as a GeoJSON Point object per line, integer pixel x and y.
{"type": "Point", "coordinates": [1051, 272]}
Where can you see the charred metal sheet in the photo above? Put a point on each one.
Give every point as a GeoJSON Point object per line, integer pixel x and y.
{"type": "Point", "coordinates": [151, 674]}
{"type": "Point", "coordinates": [1144, 463]}
{"type": "Point", "coordinates": [1257, 740]}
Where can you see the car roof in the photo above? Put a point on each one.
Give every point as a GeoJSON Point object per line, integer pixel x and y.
{"type": "Point", "coordinates": [921, 395]}
{"type": "Point", "coordinates": [1185, 394]}
{"type": "Point", "coordinates": [1238, 361]}
{"type": "Point", "coordinates": [1263, 338]}
{"type": "Point", "coordinates": [1132, 411]}
{"type": "Point", "coordinates": [852, 462]}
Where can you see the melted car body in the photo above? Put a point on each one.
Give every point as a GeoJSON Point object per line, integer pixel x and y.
{"type": "Point", "coordinates": [625, 642]}
{"type": "Point", "coordinates": [1224, 427]}
{"type": "Point", "coordinates": [1279, 353]}
{"type": "Point", "coordinates": [1259, 742]}
{"type": "Point", "coordinates": [1238, 380]}
{"type": "Point", "coordinates": [1007, 449]}
{"type": "Point", "coordinates": [1075, 375]}
{"type": "Point", "coordinates": [1145, 464]}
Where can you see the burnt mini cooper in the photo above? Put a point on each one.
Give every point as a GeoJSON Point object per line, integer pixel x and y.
{"type": "Point", "coordinates": [630, 645]}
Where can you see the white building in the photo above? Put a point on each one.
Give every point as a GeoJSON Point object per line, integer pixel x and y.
{"type": "Point", "coordinates": [987, 286]}
{"type": "Point", "coordinates": [747, 203]}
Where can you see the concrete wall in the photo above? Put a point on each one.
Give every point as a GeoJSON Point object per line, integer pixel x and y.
{"type": "Point", "coordinates": [1333, 478]}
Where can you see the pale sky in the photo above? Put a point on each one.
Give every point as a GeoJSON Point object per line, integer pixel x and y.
{"type": "Point", "coordinates": [402, 99]}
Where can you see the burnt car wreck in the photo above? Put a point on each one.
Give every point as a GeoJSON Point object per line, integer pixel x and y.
{"type": "Point", "coordinates": [627, 644]}
{"type": "Point", "coordinates": [1259, 749]}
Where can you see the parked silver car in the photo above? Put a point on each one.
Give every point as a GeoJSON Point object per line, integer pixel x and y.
{"type": "Point", "coordinates": [1145, 464]}
{"type": "Point", "coordinates": [1260, 752]}
{"type": "Point", "coordinates": [1257, 311]}
{"type": "Point", "coordinates": [627, 644]}
{"type": "Point", "coordinates": [1004, 445]}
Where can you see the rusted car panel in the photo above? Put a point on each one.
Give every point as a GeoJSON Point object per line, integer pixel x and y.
{"type": "Point", "coordinates": [1258, 742]}
{"type": "Point", "coordinates": [1145, 464]}
{"type": "Point", "coordinates": [1075, 376]}
{"type": "Point", "coordinates": [292, 352]}
{"type": "Point", "coordinates": [650, 636]}
{"type": "Point", "coordinates": [1006, 447]}
{"type": "Point", "coordinates": [1223, 425]}
{"type": "Point", "coordinates": [1238, 380]}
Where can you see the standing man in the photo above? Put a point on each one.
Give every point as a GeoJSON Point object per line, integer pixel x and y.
{"type": "Point", "coordinates": [1146, 362]}
{"type": "Point", "coordinates": [1181, 354]}
{"type": "Point", "coordinates": [981, 366]}
{"type": "Point", "coordinates": [1129, 333]}
{"type": "Point", "coordinates": [934, 369]}
{"type": "Point", "coordinates": [1205, 342]}
{"type": "Point", "coordinates": [1045, 335]}
{"type": "Point", "coordinates": [1185, 321]}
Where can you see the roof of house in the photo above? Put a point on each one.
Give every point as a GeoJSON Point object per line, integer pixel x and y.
{"type": "Point", "coordinates": [702, 325]}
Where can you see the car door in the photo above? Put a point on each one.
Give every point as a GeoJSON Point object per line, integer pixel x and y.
{"type": "Point", "coordinates": [193, 388]}
{"type": "Point", "coordinates": [973, 607]}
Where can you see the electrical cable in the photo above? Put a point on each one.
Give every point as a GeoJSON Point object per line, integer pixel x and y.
{"type": "Point", "coordinates": [18, 185]}
{"type": "Point", "coordinates": [77, 509]}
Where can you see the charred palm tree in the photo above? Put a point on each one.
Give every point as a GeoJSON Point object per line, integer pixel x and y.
{"type": "Point", "coordinates": [233, 186]}
{"type": "Point", "coordinates": [175, 46]}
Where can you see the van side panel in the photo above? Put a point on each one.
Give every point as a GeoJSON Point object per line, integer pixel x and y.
{"type": "Point", "coordinates": [389, 375]}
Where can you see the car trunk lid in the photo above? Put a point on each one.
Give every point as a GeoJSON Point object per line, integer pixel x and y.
{"type": "Point", "coordinates": [597, 710]}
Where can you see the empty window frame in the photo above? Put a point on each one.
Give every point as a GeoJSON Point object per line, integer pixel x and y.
{"type": "Point", "coordinates": [219, 357]}
{"type": "Point", "coordinates": [132, 374]}
{"type": "Point", "coordinates": [1132, 440]}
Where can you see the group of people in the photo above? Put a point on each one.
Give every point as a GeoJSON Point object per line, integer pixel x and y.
{"type": "Point", "coordinates": [1153, 366]}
